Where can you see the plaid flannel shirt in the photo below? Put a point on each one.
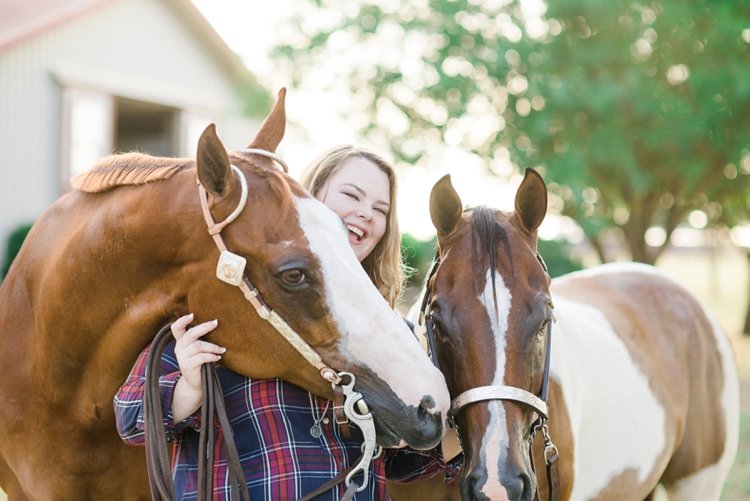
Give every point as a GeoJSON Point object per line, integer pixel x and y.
{"type": "Point", "coordinates": [271, 421]}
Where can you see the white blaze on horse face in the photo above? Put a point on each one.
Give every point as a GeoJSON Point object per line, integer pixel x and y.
{"type": "Point", "coordinates": [494, 447]}
{"type": "Point", "coordinates": [598, 375]}
{"type": "Point", "coordinates": [372, 334]}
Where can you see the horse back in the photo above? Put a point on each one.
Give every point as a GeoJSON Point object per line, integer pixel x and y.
{"type": "Point", "coordinates": [648, 379]}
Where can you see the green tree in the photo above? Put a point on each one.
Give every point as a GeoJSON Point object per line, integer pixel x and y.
{"type": "Point", "coordinates": [418, 256]}
{"type": "Point", "coordinates": [13, 245]}
{"type": "Point", "coordinates": [636, 111]}
{"type": "Point", "coordinates": [736, 214]}
{"type": "Point", "coordinates": [645, 114]}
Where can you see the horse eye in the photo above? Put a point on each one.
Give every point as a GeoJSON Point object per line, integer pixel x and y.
{"type": "Point", "coordinates": [293, 278]}
{"type": "Point", "coordinates": [437, 325]}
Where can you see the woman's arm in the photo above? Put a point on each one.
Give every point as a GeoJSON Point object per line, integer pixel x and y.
{"type": "Point", "coordinates": [128, 401]}
{"type": "Point", "coordinates": [179, 382]}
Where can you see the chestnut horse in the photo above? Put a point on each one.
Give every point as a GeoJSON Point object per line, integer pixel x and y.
{"type": "Point", "coordinates": [643, 387]}
{"type": "Point", "coordinates": [128, 251]}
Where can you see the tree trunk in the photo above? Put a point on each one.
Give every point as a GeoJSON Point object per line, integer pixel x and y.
{"type": "Point", "coordinates": [598, 248]}
{"type": "Point", "coordinates": [746, 327]}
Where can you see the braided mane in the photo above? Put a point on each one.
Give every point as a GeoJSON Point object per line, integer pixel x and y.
{"type": "Point", "coordinates": [128, 169]}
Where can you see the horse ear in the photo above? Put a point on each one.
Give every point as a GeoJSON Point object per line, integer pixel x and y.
{"type": "Point", "coordinates": [272, 131]}
{"type": "Point", "coordinates": [531, 200]}
{"type": "Point", "coordinates": [445, 206]}
{"type": "Point", "coordinates": [213, 163]}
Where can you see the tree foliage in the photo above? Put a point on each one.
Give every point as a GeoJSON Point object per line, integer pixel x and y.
{"type": "Point", "coordinates": [13, 245]}
{"type": "Point", "coordinates": [638, 112]}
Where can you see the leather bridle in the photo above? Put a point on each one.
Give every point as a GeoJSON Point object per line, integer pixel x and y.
{"type": "Point", "coordinates": [231, 269]}
{"type": "Point", "coordinates": [537, 402]}
{"type": "Point", "coordinates": [349, 404]}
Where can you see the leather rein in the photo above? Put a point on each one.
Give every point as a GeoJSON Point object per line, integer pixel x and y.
{"type": "Point", "coordinates": [471, 396]}
{"type": "Point", "coordinates": [349, 405]}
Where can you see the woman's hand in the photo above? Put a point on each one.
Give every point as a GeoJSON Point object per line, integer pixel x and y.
{"type": "Point", "coordinates": [191, 352]}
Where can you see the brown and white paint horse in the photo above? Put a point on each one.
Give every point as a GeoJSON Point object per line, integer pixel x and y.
{"type": "Point", "coordinates": [643, 382]}
{"type": "Point", "coordinates": [111, 262]}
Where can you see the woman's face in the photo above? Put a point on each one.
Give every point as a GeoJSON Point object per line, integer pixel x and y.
{"type": "Point", "coordinates": [359, 192]}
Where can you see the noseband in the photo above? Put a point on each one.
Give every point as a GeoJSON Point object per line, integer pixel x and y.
{"type": "Point", "coordinates": [471, 396]}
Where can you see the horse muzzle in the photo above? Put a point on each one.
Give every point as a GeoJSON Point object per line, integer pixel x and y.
{"type": "Point", "coordinates": [424, 433]}
{"type": "Point", "coordinates": [514, 485]}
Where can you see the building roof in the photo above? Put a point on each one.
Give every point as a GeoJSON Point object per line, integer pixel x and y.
{"type": "Point", "coordinates": [23, 19]}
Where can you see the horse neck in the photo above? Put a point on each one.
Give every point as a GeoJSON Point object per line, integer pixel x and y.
{"type": "Point", "coordinates": [108, 278]}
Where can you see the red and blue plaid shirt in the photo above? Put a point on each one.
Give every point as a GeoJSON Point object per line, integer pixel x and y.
{"type": "Point", "coordinates": [271, 421]}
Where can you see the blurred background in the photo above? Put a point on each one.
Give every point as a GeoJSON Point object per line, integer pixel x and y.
{"type": "Point", "coordinates": [637, 113]}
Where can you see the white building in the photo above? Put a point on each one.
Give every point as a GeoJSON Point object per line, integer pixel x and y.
{"type": "Point", "coordinates": [80, 79]}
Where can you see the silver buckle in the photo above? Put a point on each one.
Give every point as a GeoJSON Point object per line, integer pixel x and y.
{"type": "Point", "coordinates": [230, 268]}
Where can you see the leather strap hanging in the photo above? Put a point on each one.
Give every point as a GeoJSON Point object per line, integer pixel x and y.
{"type": "Point", "coordinates": [157, 455]}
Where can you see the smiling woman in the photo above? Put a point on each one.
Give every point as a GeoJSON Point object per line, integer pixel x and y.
{"type": "Point", "coordinates": [359, 193]}
{"type": "Point", "coordinates": [361, 187]}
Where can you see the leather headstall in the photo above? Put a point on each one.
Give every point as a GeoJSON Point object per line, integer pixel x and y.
{"type": "Point", "coordinates": [536, 402]}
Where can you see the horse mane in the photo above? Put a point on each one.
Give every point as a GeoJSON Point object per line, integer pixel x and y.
{"type": "Point", "coordinates": [486, 232]}
{"type": "Point", "coordinates": [127, 169]}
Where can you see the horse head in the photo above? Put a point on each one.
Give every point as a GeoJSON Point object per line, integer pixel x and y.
{"type": "Point", "coordinates": [299, 259]}
{"type": "Point", "coordinates": [488, 304]}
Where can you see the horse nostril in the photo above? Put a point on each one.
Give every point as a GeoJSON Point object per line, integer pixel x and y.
{"type": "Point", "coordinates": [426, 404]}
{"type": "Point", "coordinates": [471, 487]}
{"type": "Point", "coordinates": [430, 423]}
{"type": "Point", "coordinates": [520, 489]}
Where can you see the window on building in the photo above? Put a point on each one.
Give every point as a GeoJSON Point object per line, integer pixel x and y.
{"type": "Point", "coordinates": [146, 128]}
{"type": "Point", "coordinates": [87, 130]}
{"type": "Point", "coordinates": [96, 124]}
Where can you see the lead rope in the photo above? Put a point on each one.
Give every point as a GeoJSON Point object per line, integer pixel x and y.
{"type": "Point", "coordinates": [157, 456]}
{"type": "Point", "coordinates": [212, 406]}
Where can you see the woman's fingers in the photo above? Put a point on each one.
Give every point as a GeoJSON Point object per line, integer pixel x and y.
{"type": "Point", "coordinates": [198, 331]}
{"type": "Point", "coordinates": [185, 335]}
{"type": "Point", "coordinates": [191, 351]}
{"type": "Point", "coordinates": [199, 359]}
{"type": "Point", "coordinates": [198, 347]}
{"type": "Point", "coordinates": [190, 337]}
{"type": "Point", "coordinates": [180, 325]}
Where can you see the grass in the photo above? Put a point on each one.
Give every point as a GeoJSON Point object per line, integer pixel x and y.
{"type": "Point", "coordinates": [737, 486]}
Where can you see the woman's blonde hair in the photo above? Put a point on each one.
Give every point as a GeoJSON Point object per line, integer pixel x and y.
{"type": "Point", "coordinates": [384, 264]}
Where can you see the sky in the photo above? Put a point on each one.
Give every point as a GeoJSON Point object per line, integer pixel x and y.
{"type": "Point", "coordinates": [251, 32]}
